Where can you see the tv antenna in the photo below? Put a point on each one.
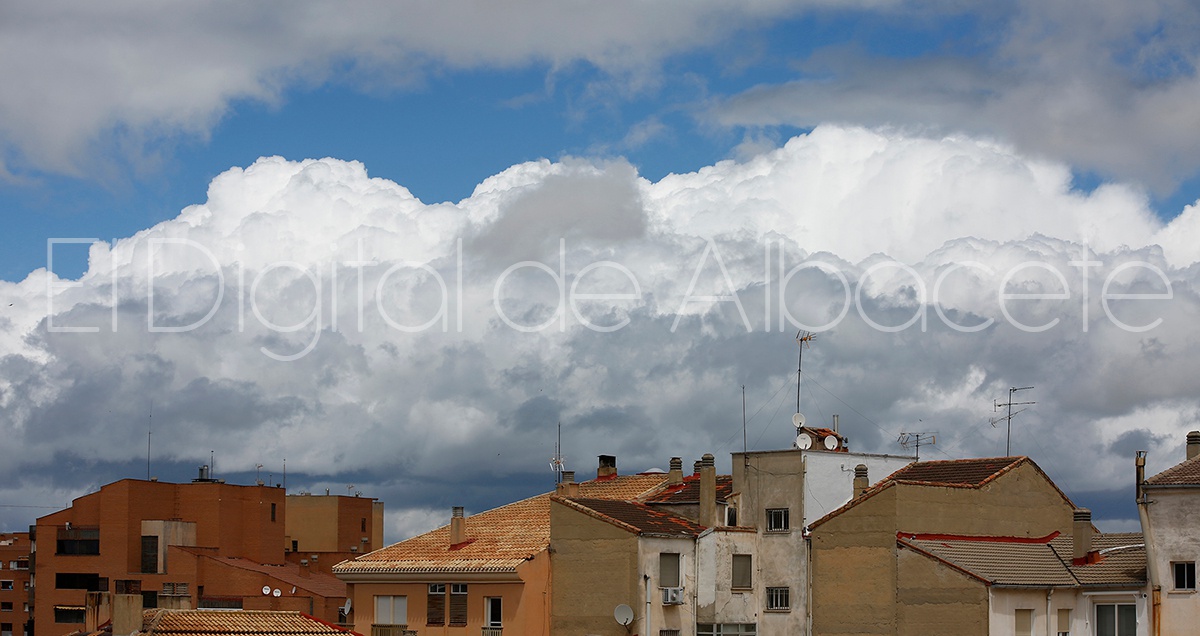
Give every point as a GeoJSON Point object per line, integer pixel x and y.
{"type": "Point", "coordinates": [803, 338]}
{"type": "Point", "coordinates": [916, 440]}
{"type": "Point", "coordinates": [996, 405]}
{"type": "Point", "coordinates": [558, 463]}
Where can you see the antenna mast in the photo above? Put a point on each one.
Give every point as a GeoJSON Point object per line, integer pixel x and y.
{"type": "Point", "coordinates": [802, 338]}
{"type": "Point", "coordinates": [1008, 418]}
{"type": "Point", "coordinates": [743, 418]}
{"type": "Point", "coordinates": [916, 439]}
{"type": "Point", "coordinates": [558, 462]}
{"type": "Point", "coordinates": [149, 428]}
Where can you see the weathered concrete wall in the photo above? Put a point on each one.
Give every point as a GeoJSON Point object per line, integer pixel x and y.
{"type": "Point", "coordinates": [1173, 516]}
{"type": "Point", "coordinates": [680, 617]}
{"type": "Point", "coordinates": [934, 599]}
{"type": "Point", "coordinates": [594, 568]}
{"type": "Point", "coordinates": [716, 601]}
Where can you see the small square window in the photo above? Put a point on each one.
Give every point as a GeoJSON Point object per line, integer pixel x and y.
{"type": "Point", "coordinates": [6, 606]}
{"type": "Point", "coordinates": [668, 569]}
{"type": "Point", "coordinates": [6, 585]}
{"type": "Point", "coordinates": [778, 520]}
{"type": "Point", "coordinates": [437, 588]}
{"type": "Point", "coordinates": [779, 598]}
{"type": "Point", "coordinates": [1185, 575]}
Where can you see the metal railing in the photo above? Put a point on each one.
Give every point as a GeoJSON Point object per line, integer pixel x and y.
{"type": "Point", "coordinates": [493, 631]}
{"type": "Point", "coordinates": [391, 630]}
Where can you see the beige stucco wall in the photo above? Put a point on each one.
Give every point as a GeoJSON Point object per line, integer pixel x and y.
{"type": "Point", "coordinates": [934, 599]}
{"type": "Point", "coordinates": [680, 617]}
{"type": "Point", "coordinates": [1173, 517]}
{"type": "Point", "coordinates": [594, 568]}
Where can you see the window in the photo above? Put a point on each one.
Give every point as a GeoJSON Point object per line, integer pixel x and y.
{"type": "Point", "coordinates": [6, 629]}
{"type": "Point", "coordinates": [1116, 620]}
{"type": "Point", "coordinates": [742, 572]}
{"type": "Point", "coordinates": [68, 614]}
{"type": "Point", "coordinates": [492, 612]}
{"type": "Point", "coordinates": [174, 589]}
{"type": "Point", "coordinates": [80, 581]}
{"type": "Point", "coordinates": [778, 520]}
{"type": "Point", "coordinates": [362, 524]}
{"type": "Point", "coordinates": [731, 516]}
{"type": "Point", "coordinates": [458, 604]}
{"type": "Point", "coordinates": [1185, 575]}
{"type": "Point", "coordinates": [77, 541]}
{"type": "Point", "coordinates": [1064, 622]}
{"type": "Point", "coordinates": [726, 629]}
{"type": "Point", "coordinates": [149, 600]}
{"type": "Point", "coordinates": [668, 569]}
{"type": "Point", "coordinates": [435, 613]}
{"type": "Point", "coordinates": [1024, 622]}
{"type": "Point", "coordinates": [668, 632]}
{"type": "Point", "coordinates": [391, 610]}
{"type": "Point", "coordinates": [149, 555]}
{"type": "Point", "coordinates": [272, 512]}
{"type": "Point", "coordinates": [21, 564]}
{"type": "Point", "coordinates": [779, 598]}
{"type": "Point", "coordinates": [6, 585]}
{"type": "Point", "coordinates": [295, 545]}
{"type": "Point", "coordinates": [5, 606]}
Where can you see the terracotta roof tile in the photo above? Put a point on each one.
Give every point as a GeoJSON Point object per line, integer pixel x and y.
{"type": "Point", "coordinates": [956, 472]}
{"type": "Point", "coordinates": [689, 491]}
{"type": "Point", "coordinates": [499, 540]}
{"type": "Point", "coordinates": [243, 622]}
{"type": "Point", "coordinates": [639, 517]}
{"type": "Point", "coordinates": [1186, 473]}
{"type": "Point", "coordinates": [1038, 562]}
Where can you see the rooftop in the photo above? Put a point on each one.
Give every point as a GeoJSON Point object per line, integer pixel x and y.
{"type": "Point", "coordinates": [956, 472]}
{"type": "Point", "coordinates": [689, 491]}
{"type": "Point", "coordinates": [498, 540]}
{"type": "Point", "coordinates": [1186, 473]}
{"type": "Point", "coordinates": [239, 622]}
{"type": "Point", "coordinates": [635, 517]}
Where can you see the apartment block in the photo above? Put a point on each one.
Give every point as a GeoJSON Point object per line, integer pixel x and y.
{"type": "Point", "coordinates": [15, 618]}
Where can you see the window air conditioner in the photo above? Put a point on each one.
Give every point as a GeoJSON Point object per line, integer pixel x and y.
{"type": "Point", "coordinates": [672, 596]}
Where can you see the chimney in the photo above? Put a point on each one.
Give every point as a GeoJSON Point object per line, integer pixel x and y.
{"type": "Point", "coordinates": [1193, 444]}
{"type": "Point", "coordinates": [696, 467]}
{"type": "Point", "coordinates": [97, 611]}
{"type": "Point", "coordinates": [675, 475]}
{"type": "Point", "coordinates": [458, 526]}
{"type": "Point", "coordinates": [1082, 535]}
{"type": "Point", "coordinates": [607, 467]}
{"type": "Point", "coordinates": [126, 614]}
{"type": "Point", "coordinates": [708, 491]}
{"type": "Point", "coordinates": [861, 482]}
{"type": "Point", "coordinates": [569, 487]}
{"type": "Point", "coordinates": [1139, 475]}
{"type": "Point", "coordinates": [835, 422]}
{"type": "Point", "coordinates": [304, 569]}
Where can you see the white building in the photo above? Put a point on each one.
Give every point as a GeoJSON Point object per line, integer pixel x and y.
{"type": "Point", "coordinates": [1169, 507]}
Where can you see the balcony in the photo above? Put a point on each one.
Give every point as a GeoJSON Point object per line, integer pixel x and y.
{"type": "Point", "coordinates": [392, 630]}
{"type": "Point", "coordinates": [493, 631]}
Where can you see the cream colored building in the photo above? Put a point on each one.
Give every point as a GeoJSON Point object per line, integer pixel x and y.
{"type": "Point", "coordinates": [1169, 506]}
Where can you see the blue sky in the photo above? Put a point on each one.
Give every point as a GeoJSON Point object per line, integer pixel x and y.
{"type": "Point", "coordinates": [933, 133]}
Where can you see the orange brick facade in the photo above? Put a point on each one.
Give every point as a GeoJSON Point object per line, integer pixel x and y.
{"type": "Point", "coordinates": [14, 583]}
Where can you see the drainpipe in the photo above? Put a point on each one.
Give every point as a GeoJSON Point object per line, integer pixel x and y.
{"type": "Point", "coordinates": [1143, 505]}
{"type": "Point", "coordinates": [1049, 593]}
{"type": "Point", "coordinates": [646, 580]}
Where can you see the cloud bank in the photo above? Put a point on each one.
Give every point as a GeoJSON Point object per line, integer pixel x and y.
{"type": "Point", "coordinates": [426, 352]}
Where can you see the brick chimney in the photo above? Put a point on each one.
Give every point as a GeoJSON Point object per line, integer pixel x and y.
{"type": "Point", "coordinates": [458, 526]}
{"type": "Point", "coordinates": [861, 482]}
{"type": "Point", "coordinates": [1193, 444]}
{"type": "Point", "coordinates": [126, 614]}
{"type": "Point", "coordinates": [607, 466]}
{"type": "Point", "coordinates": [675, 475]}
{"type": "Point", "coordinates": [708, 491]}
{"type": "Point", "coordinates": [1081, 533]}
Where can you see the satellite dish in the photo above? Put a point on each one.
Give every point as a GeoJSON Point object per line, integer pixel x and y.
{"type": "Point", "coordinates": [623, 614]}
{"type": "Point", "coordinates": [346, 607]}
{"type": "Point", "coordinates": [276, 593]}
{"type": "Point", "coordinates": [798, 420]}
{"type": "Point", "coordinates": [804, 441]}
{"type": "Point", "coordinates": [266, 589]}
{"type": "Point", "coordinates": [831, 443]}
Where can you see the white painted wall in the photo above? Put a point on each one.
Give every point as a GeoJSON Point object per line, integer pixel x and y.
{"type": "Point", "coordinates": [829, 478]}
{"type": "Point", "coordinates": [1173, 534]}
{"type": "Point", "coordinates": [1006, 601]}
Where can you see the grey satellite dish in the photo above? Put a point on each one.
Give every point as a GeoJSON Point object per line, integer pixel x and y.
{"type": "Point", "coordinates": [804, 441]}
{"type": "Point", "coordinates": [831, 443]}
{"type": "Point", "coordinates": [623, 614]}
{"type": "Point", "coordinates": [266, 590]}
{"type": "Point", "coordinates": [346, 607]}
{"type": "Point", "coordinates": [276, 593]}
{"type": "Point", "coordinates": [798, 420]}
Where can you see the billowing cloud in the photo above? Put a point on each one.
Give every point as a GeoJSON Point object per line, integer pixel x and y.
{"type": "Point", "coordinates": [426, 353]}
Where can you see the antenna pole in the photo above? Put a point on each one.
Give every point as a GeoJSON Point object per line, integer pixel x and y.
{"type": "Point", "coordinates": [149, 429]}
{"type": "Point", "coordinates": [743, 418]}
{"type": "Point", "coordinates": [802, 338]}
{"type": "Point", "coordinates": [1009, 416]}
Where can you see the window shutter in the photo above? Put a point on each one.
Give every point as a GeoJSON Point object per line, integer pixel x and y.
{"type": "Point", "coordinates": [668, 569]}
{"type": "Point", "coordinates": [436, 614]}
{"type": "Point", "coordinates": [742, 568]}
{"type": "Point", "coordinates": [458, 605]}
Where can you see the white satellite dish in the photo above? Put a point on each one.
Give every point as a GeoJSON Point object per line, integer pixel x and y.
{"type": "Point", "coordinates": [831, 443]}
{"type": "Point", "coordinates": [266, 590]}
{"type": "Point", "coordinates": [804, 441]}
{"type": "Point", "coordinates": [346, 607]}
{"type": "Point", "coordinates": [798, 420]}
{"type": "Point", "coordinates": [623, 614]}
{"type": "Point", "coordinates": [276, 593]}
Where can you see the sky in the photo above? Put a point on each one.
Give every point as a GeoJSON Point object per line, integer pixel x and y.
{"type": "Point", "coordinates": [390, 250]}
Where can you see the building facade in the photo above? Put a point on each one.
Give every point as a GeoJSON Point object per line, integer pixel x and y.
{"type": "Point", "coordinates": [1169, 506]}
{"type": "Point", "coordinates": [15, 617]}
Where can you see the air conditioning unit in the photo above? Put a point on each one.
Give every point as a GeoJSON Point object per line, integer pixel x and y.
{"type": "Point", "coordinates": [672, 596]}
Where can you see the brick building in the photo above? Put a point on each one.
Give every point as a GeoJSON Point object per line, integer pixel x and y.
{"type": "Point", "coordinates": [204, 544]}
{"type": "Point", "coordinates": [14, 584]}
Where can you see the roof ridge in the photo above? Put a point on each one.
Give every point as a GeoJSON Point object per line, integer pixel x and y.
{"type": "Point", "coordinates": [934, 536]}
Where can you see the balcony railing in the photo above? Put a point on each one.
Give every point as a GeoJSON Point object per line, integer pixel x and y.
{"type": "Point", "coordinates": [493, 631]}
{"type": "Point", "coordinates": [392, 630]}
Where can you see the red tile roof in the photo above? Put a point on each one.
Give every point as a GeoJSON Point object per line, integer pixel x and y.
{"type": "Point", "coordinates": [689, 491]}
{"type": "Point", "coordinates": [956, 472]}
{"type": "Point", "coordinates": [243, 622]}
{"type": "Point", "coordinates": [635, 517]}
{"type": "Point", "coordinates": [499, 539]}
{"type": "Point", "coordinates": [1186, 473]}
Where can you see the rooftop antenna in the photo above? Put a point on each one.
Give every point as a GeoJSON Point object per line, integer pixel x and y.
{"type": "Point", "coordinates": [803, 338]}
{"type": "Point", "coordinates": [212, 463]}
{"type": "Point", "coordinates": [558, 462]}
{"type": "Point", "coordinates": [149, 428]}
{"type": "Point", "coordinates": [744, 418]}
{"type": "Point", "coordinates": [916, 439]}
{"type": "Point", "coordinates": [1008, 418]}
